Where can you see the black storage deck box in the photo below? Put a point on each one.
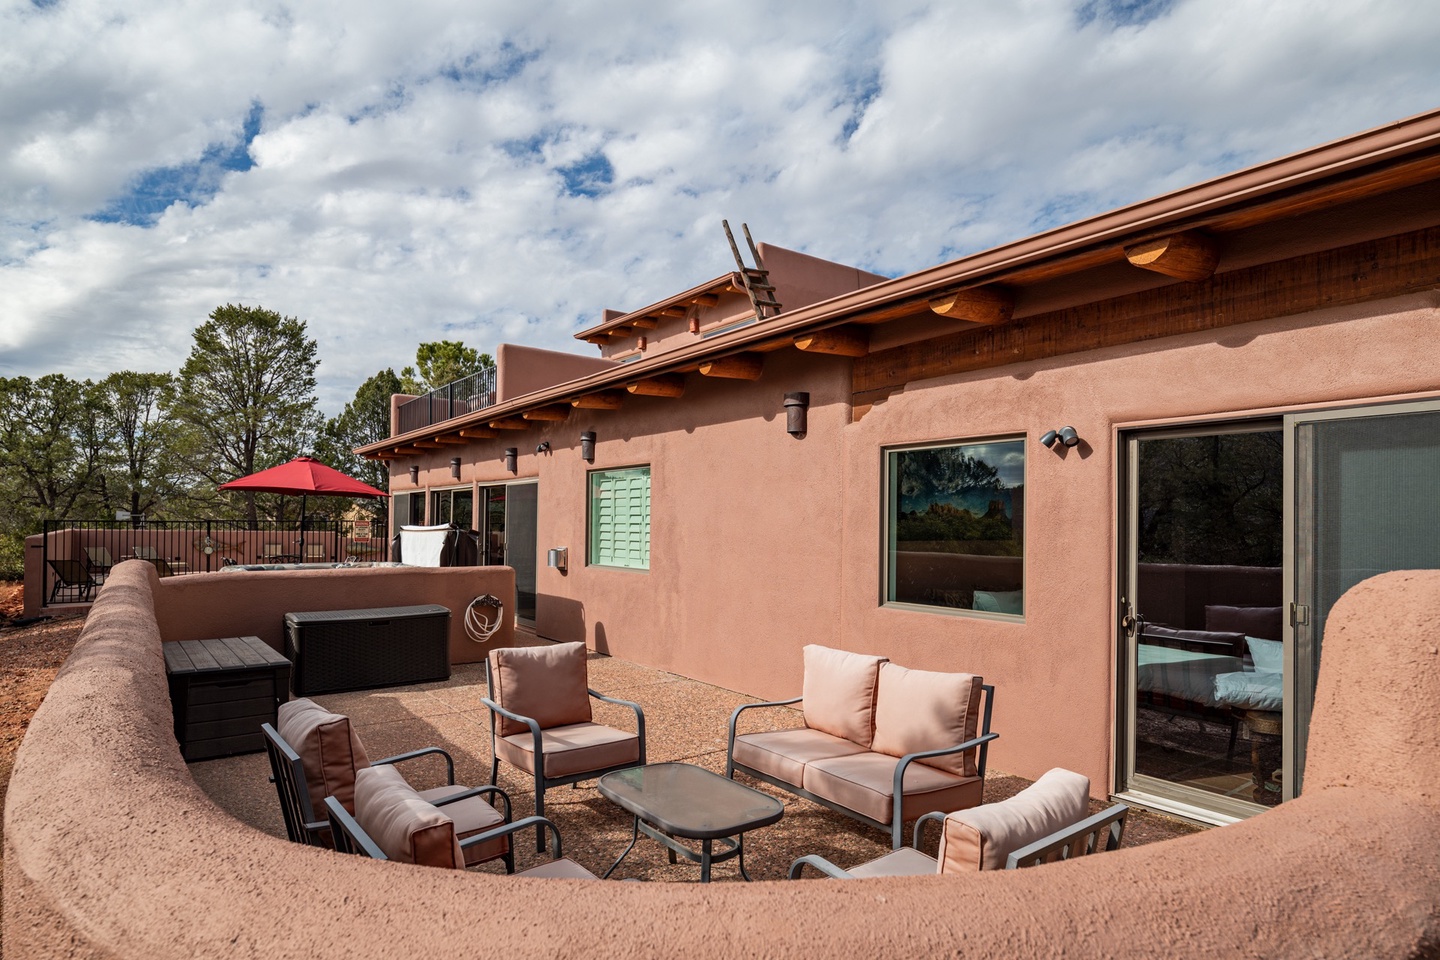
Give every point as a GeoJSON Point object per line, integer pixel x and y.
{"type": "Point", "coordinates": [221, 691]}
{"type": "Point", "coordinates": [336, 650]}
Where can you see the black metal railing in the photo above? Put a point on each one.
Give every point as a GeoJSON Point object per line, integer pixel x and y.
{"type": "Point", "coordinates": [455, 399]}
{"type": "Point", "coordinates": [83, 551]}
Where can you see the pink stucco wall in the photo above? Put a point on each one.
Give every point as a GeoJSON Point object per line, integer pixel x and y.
{"type": "Point", "coordinates": [520, 370]}
{"type": "Point", "coordinates": [254, 602]}
{"type": "Point", "coordinates": [761, 543]}
{"type": "Point", "coordinates": [112, 851]}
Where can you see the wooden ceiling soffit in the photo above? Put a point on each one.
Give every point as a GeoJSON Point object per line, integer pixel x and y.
{"type": "Point", "coordinates": [665, 385]}
{"type": "Point", "coordinates": [604, 400]}
{"type": "Point", "coordinates": [510, 423]}
{"type": "Point", "coordinates": [987, 305]}
{"type": "Point", "coordinates": [449, 438]}
{"type": "Point", "coordinates": [479, 433]}
{"type": "Point", "coordinates": [844, 341]}
{"type": "Point", "coordinates": [1373, 270]}
{"type": "Point", "coordinates": [1189, 255]}
{"type": "Point", "coordinates": [557, 411]}
{"type": "Point", "coordinates": [738, 366]}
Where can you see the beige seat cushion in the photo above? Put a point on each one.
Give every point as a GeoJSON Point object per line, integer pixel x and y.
{"type": "Point", "coordinates": [329, 749]}
{"type": "Point", "coordinates": [839, 693]}
{"type": "Point", "coordinates": [919, 710]}
{"type": "Point", "coordinates": [782, 754]}
{"type": "Point", "coordinates": [984, 837]}
{"type": "Point", "coordinates": [572, 749]}
{"type": "Point", "coordinates": [471, 816]}
{"type": "Point", "coordinates": [546, 684]}
{"type": "Point", "coordinates": [905, 862]}
{"type": "Point", "coordinates": [562, 869]}
{"type": "Point", "coordinates": [863, 783]}
{"type": "Point", "coordinates": [408, 828]}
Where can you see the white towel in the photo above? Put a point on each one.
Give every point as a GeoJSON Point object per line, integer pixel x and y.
{"type": "Point", "coordinates": [422, 546]}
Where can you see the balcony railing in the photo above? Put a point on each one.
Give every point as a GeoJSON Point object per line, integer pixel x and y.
{"type": "Point", "coordinates": [455, 399]}
{"type": "Point", "coordinates": [85, 550]}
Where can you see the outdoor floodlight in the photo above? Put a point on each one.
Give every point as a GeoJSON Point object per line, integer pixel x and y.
{"type": "Point", "coordinates": [1065, 435]}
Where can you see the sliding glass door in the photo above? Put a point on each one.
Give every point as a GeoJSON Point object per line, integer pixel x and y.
{"type": "Point", "coordinates": [509, 513]}
{"type": "Point", "coordinates": [1238, 541]}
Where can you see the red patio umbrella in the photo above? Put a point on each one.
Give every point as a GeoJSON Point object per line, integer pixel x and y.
{"type": "Point", "coordinates": [304, 476]}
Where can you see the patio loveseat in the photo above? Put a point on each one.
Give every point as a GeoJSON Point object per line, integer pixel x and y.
{"type": "Point", "coordinates": [881, 743]}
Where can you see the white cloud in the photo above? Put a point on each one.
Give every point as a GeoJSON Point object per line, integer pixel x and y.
{"type": "Point", "coordinates": [410, 171]}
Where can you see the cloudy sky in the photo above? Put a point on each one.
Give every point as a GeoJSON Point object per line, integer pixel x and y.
{"type": "Point", "coordinates": [398, 172]}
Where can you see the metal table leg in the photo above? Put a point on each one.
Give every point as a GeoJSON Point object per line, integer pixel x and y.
{"type": "Point", "coordinates": [634, 835]}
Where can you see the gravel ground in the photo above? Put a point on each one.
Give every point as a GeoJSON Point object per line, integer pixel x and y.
{"type": "Point", "coordinates": [685, 721]}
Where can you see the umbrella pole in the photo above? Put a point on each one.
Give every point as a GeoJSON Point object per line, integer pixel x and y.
{"type": "Point", "coordinates": [302, 528]}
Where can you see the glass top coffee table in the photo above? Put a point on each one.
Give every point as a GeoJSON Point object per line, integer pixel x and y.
{"type": "Point", "coordinates": [680, 800]}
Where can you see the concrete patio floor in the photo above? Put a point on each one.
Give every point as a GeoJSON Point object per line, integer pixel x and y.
{"type": "Point", "coordinates": [685, 721]}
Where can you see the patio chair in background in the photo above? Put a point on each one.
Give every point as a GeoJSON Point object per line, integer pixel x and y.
{"type": "Point", "coordinates": [541, 723]}
{"type": "Point", "coordinates": [143, 552]}
{"type": "Point", "coordinates": [1044, 823]}
{"type": "Point", "coordinates": [73, 575]}
{"type": "Point", "coordinates": [162, 566]}
{"type": "Point", "coordinates": [391, 822]}
{"type": "Point", "coordinates": [271, 553]}
{"type": "Point", "coordinates": [316, 753]}
{"type": "Point", "coordinates": [315, 553]}
{"type": "Point", "coordinates": [100, 562]}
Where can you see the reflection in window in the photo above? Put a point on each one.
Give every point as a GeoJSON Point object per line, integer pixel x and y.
{"type": "Point", "coordinates": [955, 526]}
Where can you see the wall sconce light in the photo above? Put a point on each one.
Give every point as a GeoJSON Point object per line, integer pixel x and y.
{"type": "Point", "coordinates": [510, 454]}
{"type": "Point", "coordinates": [1065, 435]}
{"type": "Point", "coordinates": [642, 342]}
{"type": "Point", "coordinates": [796, 407]}
{"type": "Point", "coordinates": [454, 468]}
{"type": "Point", "coordinates": [587, 446]}
{"type": "Point", "coordinates": [415, 474]}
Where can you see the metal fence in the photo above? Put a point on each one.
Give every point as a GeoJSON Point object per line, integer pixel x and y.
{"type": "Point", "coordinates": [455, 399]}
{"type": "Point", "coordinates": [77, 554]}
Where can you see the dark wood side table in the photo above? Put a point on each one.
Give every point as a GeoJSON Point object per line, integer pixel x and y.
{"type": "Point", "coordinates": [221, 691]}
{"type": "Point", "coordinates": [1267, 731]}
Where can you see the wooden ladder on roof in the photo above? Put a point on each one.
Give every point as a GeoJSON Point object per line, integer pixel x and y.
{"type": "Point", "coordinates": [756, 279]}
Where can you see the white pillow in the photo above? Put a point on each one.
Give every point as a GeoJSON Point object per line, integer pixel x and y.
{"type": "Point", "coordinates": [1000, 601]}
{"type": "Point", "coordinates": [1269, 655]}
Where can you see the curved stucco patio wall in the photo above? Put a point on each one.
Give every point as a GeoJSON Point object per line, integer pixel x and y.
{"type": "Point", "coordinates": [112, 851]}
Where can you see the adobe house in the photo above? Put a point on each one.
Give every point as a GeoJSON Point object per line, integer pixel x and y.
{"type": "Point", "coordinates": [1122, 469]}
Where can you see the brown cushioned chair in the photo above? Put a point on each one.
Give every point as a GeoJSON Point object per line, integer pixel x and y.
{"type": "Point", "coordinates": [1045, 822]}
{"type": "Point", "coordinates": [392, 822]}
{"type": "Point", "coordinates": [316, 754]}
{"type": "Point", "coordinates": [541, 723]}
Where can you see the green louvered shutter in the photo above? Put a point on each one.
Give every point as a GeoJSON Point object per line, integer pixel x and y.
{"type": "Point", "coordinates": [620, 518]}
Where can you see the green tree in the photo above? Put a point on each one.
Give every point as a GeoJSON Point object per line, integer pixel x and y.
{"type": "Point", "coordinates": [441, 362]}
{"type": "Point", "coordinates": [142, 471]}
{"type": "Point", "coordinates": [365, 419]}
{"type": "Point", "coordinates": [246, 395]}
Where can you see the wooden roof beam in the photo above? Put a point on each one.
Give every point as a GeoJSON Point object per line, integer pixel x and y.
{"type": "Point", "coordinates": [426, 444]}
{"type": "Point", "coordinates": [837, 341]}
{"type": "Point", "coordinates": [665, 385]}
{"type": "Point", "coordinates": [449, 438]}
{"type": "Point", "coordinates": [558, 411]}
{"type": "Point", "coordinates": [479, 433]}
{"type": "Point", "coordinates": [645, 323]}
{"type": "Point", "coordinates": [987, 305]}
{"type": "Point", "coordinates": [1188, 255]}
{"type": "Point", "coordinates": [509, 423]}
{"type": "Point", "coordinates": [737, 366]}
{"type": "Point", "coordinates": [706, 300]}
{"type": "Point", "coordinates": [407, 451]}
{"type": "Point", "coordinates": [604, 400]}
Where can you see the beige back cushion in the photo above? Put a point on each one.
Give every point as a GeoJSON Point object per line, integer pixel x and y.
{"type": "Point", "coordinates": [982, 837]}
{"type": "Point", "coordinates": [329, 749]}
{"type": "Point", "coordinates": [919, 710]}
{"type": "Point", "coordinates": [547, 684]}
{"type": "Point", "coordinates": [406, 827]}
{"type": "Point", "coordinates": [839, 693]}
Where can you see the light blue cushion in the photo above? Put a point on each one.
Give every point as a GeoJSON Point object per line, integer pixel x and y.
{"type": "Point", "coordinates": [1000, 601]}
{"type": "Point", "coordinates": [1269, 655]}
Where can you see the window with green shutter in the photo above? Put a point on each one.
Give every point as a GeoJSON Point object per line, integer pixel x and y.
{"type": "Point", "coordinates": [620, 518]}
